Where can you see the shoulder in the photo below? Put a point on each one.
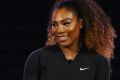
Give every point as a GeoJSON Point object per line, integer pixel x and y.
{"type": "Point", "coordinates": [92, 56]}
{"type": "Point", "coordinates": [100, 59]}
{"type": "Point", "coordinates": [43, 51]}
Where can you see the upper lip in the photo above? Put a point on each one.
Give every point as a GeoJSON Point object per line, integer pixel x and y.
{"type": "Point", "coordinates": [62, 35]}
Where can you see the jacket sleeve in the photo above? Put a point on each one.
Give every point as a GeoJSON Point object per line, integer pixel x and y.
{"type": "Point", "coordinates": [31, 69]}
{"type": "Point", "coordinates": [102, 69]}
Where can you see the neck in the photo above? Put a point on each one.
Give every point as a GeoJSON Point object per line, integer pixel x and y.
{"type": "Point", "coordinates": [73, 49]}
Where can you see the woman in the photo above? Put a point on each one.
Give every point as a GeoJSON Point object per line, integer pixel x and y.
{"type": "Point", "coordinates": [79, 47]}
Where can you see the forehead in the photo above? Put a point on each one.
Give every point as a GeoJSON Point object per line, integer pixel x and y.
{"type": "Point", "coordinates": [63, 13]}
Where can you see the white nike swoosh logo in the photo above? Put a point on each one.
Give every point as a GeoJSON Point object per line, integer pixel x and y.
{"type": "Point", "coordinates": [84, 68]}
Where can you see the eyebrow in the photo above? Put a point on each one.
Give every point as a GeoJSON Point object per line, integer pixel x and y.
{"type": "Point", "coordinates": [66, 19]}
{"type": "Point", "coordinates": [63, 20]}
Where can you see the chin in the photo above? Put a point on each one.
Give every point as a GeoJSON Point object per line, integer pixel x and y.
{"type": "Point", "coordinates": [64, 44]}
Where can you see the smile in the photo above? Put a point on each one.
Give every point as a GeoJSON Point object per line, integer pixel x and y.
{"type": "Point", "coordinates": [62, 38]}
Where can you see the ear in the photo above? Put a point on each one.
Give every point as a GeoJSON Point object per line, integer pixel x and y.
{"type": "Point", "coordinates": [80, 23]}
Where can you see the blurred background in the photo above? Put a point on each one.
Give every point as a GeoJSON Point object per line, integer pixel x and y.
{"type": "Point", "coordinates": [23, 26]}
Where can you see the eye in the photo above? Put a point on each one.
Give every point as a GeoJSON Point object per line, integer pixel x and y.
{"type": "Point", "coordinates": [66, 23]}
{"type": "Point", "coordinates": [53, 24]}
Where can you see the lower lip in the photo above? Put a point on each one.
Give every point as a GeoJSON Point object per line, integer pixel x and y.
{"type": "Point", "coordinates": [64, 38]}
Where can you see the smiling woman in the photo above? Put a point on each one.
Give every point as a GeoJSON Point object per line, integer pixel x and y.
{"type": "Point", "coordinates": [66, 27]}
{"type": "Point", "coordinates": [79, 46]}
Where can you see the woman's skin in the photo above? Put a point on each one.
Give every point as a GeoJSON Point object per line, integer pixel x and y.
{"type": "Point", "coordinates": [66, 28]}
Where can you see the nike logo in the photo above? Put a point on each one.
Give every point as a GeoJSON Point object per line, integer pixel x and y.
{"type": "Point", "coordinates": [83, 69]}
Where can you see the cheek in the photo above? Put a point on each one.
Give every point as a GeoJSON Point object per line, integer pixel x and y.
{"type": "Point", "coordinates": [73, 29]}
{"type": "Point", "coordinates": [53, 31]}
{"type": "Point", "coordinates": [74, 34]}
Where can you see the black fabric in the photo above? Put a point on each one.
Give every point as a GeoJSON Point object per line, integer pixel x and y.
{"type": "Point", "coordinates": [70, 61]}
{"type": "Point", "coordinates": [49, 63]}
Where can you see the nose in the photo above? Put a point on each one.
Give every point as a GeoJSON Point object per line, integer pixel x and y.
{"type": "Point", "coordinates": [60, 29]}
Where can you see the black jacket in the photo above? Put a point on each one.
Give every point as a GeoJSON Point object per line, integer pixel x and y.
{"type": "Point", "coordinates": [49, 63]}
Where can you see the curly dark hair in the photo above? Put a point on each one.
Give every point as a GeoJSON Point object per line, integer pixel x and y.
{"type": "Point", "coordinates": [98, 32]}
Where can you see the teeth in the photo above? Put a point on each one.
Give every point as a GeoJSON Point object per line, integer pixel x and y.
{"type": "Point", "coordinates": [62, 38]}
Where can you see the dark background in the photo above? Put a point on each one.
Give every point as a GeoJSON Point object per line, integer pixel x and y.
{"type": "Point", "coordinates": [23, 26]}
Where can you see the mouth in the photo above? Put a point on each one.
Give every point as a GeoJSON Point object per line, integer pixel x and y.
{"type": "Point", "coordinates": [62, 38]}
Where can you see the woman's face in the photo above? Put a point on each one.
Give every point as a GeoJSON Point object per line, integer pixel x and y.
{"type": "Point", "coordinates": [66, 27]}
